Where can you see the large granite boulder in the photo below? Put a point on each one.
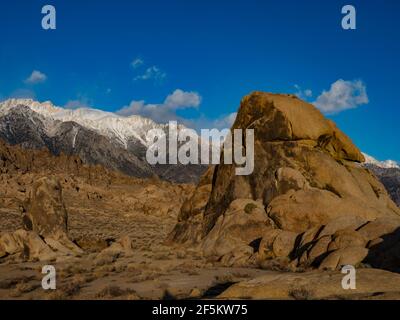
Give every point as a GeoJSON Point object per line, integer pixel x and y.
{"type": "Point", "coordinates": [307, 177]}
{"type": "Point", "coordinates": [316, 285]}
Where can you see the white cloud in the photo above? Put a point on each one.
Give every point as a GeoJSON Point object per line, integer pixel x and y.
{"type": "Point", "coordinates": [165, 111]}
{"type": "Point", "coordinates": [137, 63]}
{"type": "Point", "coordinates": [182, 99]}
{"type": "Point", "coordinates": [308, 93]}
{"type": "Point", "coordinates": [152, 73]}
{"type": "Point", "coordinates": [341, 96]}
{"type": "Point", "coordinates": [36, 77]}
{"type": "Point", "coordinates": [303, 94]}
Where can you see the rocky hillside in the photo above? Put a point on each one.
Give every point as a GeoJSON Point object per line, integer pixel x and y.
{"type": "Point", "coordinates": [96, 197]}
{"type": "Point", "coordinates": [97, 137]}
{"type": "Point", "coordinates": [309, 202]}
{"type": "Point", "coordinates": [18, 161]}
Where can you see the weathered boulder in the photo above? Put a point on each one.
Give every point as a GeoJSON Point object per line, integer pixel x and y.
{"type": "Point", "coordinates": [45, 212]}
{"type": "Point", "coordinates": [351, 255]}
{"type": "Point", "coordinates": [188, 228]}
{"type": "Point", "coordinates": [346, 238]}
{"type": "Point", "coordinates": [306, 170]}
{"type": "Point", "coordinates": [121, 247]}
{"type": "Point", "coordinates": [315, 248]}
{"type": "Point", "coordinates": [284, 243]}
{"type": "Point", "coordinates": [196, 203]}
{"type": "Point", "coordinates": [63, 245]}
{"type": "Point", "coordinates": [243, 223]}
{"type": "Point", "coordinates": [266, 247]}
{"type": "Point", "coordinates": [317, 252]}
{"type": "Point", "coordinates": [32, 245]}
{"type": "Point", "coordinates": [341, 223]}
{"type": "Point", "coordinates": [316, 285]}
{"type": "Point", "coordinates": [378, 228]}
{"type": "Point", "coordinates": [25, 245]}
{"type": "Point", "coordinates": [307, 179]}
{"type": "Point", "coordinates": [29, 246]}
{"type": "Point", "coordinates": [45, 221]}
{"type": "Point", "coordinates": [8, 244]}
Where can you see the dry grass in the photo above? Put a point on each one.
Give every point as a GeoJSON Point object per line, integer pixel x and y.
{"type": "Point", "coordinates": [114, 291]}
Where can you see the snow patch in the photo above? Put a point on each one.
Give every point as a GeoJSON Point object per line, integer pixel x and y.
{"type": "Point", "coordinates": [387, 164]}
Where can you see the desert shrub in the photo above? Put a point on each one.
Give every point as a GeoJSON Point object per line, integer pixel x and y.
{"type": "Point", "coordinates": [300, 294]}
{"type": "Point", "coordinates": [249, 208]}
{"type": "Point", "coordinates": [115, 292]}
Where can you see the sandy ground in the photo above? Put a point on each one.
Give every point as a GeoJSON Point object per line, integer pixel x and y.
{"type": "Point", "coordinates": [98, 214]}
{"type": "Point", "coordinates": [145, 211]}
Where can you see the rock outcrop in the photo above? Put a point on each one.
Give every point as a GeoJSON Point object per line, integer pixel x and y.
{"type": "Point", "coordinates": [188, 228]}
{"type": "Point", "coordinates": [69, 206]}
{"type": "Point", "coordinates": [45, 211]}
{"type": "Point", "coordinates": [45, 221]}
{"type": "Point", "coordinates": [371, 284]}
{"type": "Point", "coordinates": [307, 203]}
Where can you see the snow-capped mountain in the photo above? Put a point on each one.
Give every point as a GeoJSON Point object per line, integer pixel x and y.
{"type": "Point", "coordinates": [387, 164]}
{"type": "Point", "coordinates": [388, 172]}
{"type": "Point", "coordinates": [106, 123]}
{"type": "Point", "coordinates": [96, 136]}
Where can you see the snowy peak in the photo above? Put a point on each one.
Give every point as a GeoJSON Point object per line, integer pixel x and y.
{"type": "Point", "coordinates": [97, 137]}
{"type": "Point", "coordinates": [45, 107]}
{"type": "Point", "coordinates": [387, 164]}
{"type": "Point", "coordinates": [120, 128]}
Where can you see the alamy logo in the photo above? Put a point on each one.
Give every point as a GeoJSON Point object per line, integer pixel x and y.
{"type": "Point", "coordinates": [349, 280]}
{"type": "Point", "coordinates": [349, 20]}
{"type": "Point", "coordinates": [49, 280]}
{"type": "Point", "coordinates": [235, 150]}
{"type": "Point", "coordinates": [49, 20]}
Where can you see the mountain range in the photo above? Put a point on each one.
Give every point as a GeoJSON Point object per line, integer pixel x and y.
{"type": "Point", "coordinates": [97, 137]}
{"type": "Point", "coordinates": [386, 164]}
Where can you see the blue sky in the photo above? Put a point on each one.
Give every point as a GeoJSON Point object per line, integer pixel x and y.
{"type": "Point", "coordinates": [196, 59]}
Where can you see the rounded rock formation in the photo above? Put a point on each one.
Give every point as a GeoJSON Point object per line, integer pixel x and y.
{"type": "Point", "coordinates": [307, 180]}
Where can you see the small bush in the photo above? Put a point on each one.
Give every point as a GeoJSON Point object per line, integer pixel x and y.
{"type": "Point", "coordinates": [249, 208]}
{"type": "Point", "coordinates": [114, 292]}
{"type": "Point", "coordinates": [300, 294]}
